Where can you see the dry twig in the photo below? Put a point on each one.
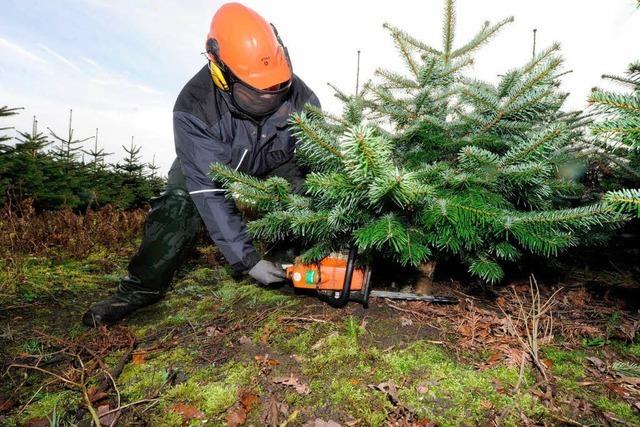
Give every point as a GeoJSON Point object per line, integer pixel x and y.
{"type": "Point", "coordinates": [537, 322]}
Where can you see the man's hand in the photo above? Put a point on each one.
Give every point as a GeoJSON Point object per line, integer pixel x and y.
{"type": "Point", "coordinates": [267, 272]}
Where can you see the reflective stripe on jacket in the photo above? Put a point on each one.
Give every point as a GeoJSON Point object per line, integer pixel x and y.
{"type": "Point", "coordinates": [207, 129]}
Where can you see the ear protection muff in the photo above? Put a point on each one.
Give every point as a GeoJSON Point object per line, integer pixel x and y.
{"type": "Point", "coordinates": [216, 66]}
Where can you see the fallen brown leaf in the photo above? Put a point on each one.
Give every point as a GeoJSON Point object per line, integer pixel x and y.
{"type": "Point", "coordinates": [139, 357]}
{"type": "Point", "coordinates": [289, 329]}
{"type": "Point", "coordinates": [598, 363]}
{"type": "Point", "coordinates": [265, 360]}
{"type": "Point", "coordinates": [405, 321]}
{"type": "Point", "coordinates": [236, 416]}
{"type": "Point", "coordinates": [95, 395]}
{"type": "Point", "coordinates": [389, 388]}
{"type": "Point", "coordinates": [494, 358]}
{"type": "Point", "coordinates": [318, 422]}
{"type": "Point", "coordinates": [188, 412]}
{"type": "Point", "coordinates": [272, 411]}
{"type": "Point", "coordinates": [264, 338]}
{"type": "Point", "coordinates": [37, 422]}
{"type": "Point", "coordinates": [107, 420]}
{"type": "Point", "coordinates": [248, 398]}
{"type": "Point", "coordinates": [293, 381]}
{"type": "Point", "coordinates": [245, 340]}
{"type": "Point", "coordinates": [211, 331]}
{"type": "Point", "coordinates": [5, 405]}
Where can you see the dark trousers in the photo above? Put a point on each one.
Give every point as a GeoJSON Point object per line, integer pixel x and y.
{"type": "Point", "coordinates": [171, 228]}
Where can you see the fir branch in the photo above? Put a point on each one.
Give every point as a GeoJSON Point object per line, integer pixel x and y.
{"type": "Point", "coordinates": [311, 137]}
{"type": "Point", "coordinates": [401, 41]}
{"type": "Point", "coordinates": [541, 57]}
{"type": "Point", "coordinates": [540, 143]}
{"type": "Point", "coordinates": [365, 154]}
{"type": "Point", "coordinates": [584, 217]}
{"type": "Point", "coordinates": [483, 36]}
{"type": "Point", "coordinates": [520, 90]}
{"type": "Point", "coordinates": [227, 176]}
{"type": "Point", "coordinates": [486, 268]}
{"type": "Point", "coordinates": [627, 200]}
{"type": "Point", "coordinates": [338, 93]}
{"type": "Point", "coordinates": [393, 80]}
{"type": "Point", "coordinates": [396, 32]}
{"type": "Point", "coordinates": [448, 29]}
{"type": "Point", "coordinates": [612, 102]}
{"type": "Point", "coordinates": [385, 232]}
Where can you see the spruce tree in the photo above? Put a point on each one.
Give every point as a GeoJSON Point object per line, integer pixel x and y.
{"type": "Point", "coordinates": [431, 163]}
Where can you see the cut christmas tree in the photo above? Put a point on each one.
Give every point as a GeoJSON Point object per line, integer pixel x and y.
{"type": "Point", "coordinates": [432, 163]}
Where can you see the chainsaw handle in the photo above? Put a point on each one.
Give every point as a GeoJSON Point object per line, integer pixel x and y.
{"type": "Point", "coordinates": [343, 298]}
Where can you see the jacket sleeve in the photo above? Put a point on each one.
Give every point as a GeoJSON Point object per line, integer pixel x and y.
{"type": "Point", "coordinates": [197, 149]}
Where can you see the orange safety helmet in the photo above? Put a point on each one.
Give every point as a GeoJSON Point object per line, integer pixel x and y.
{"type": "Point", "coordinates": [248, 59]}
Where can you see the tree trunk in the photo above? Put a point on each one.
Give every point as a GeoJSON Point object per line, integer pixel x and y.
{"type": "Point", "coordinates": [423, 285]}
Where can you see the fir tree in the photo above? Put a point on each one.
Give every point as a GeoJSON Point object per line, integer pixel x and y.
{"type": "Point", "coordinates": [132, 166]}
{"type": "Point", "coordinates": [56, 178]}
{"type": "Point", "coordinates": [618, 127]}
{"type": "Point", "coordinates": [617, 133]}
{"type": "Point", "coordinates": [69, 147]}
{"type": "Point", "coordinates": [153, 168]}
{"type": "Point", "coordinates": [6, 112]}
{"type": "Point", "coordinates": [97, 155]}
{"type": "Point", "coordinates": [432, 163]}
{"type": "Point", "coordinates": [137, 187]}
{"type": "Point", "coordinates": [33, 142]}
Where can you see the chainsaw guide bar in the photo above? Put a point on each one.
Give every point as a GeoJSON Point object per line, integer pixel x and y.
{"type": "Point", "coordinates": [412, 297]}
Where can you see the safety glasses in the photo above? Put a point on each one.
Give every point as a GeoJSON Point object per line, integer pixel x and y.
{"type": "Point", "coordinates": [257, 102]}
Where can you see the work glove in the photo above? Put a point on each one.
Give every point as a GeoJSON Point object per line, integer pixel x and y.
{"type": "Point", "coordinates": [267, 273]}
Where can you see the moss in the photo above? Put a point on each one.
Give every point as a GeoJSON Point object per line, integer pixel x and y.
{"type": "Point", "coordinates": [166, 419]}
{"type": "Point", "coordinates": [634, 349]}
{"type": "Point", "coordinates": [37, 278]}
{"type": "Point", "coordinates": [229, 293]}
{"type": "Point", "coordinates": [568, 364]}
{"type": "Point", "coordinates": [627, 349]}
{"type": "Point", "coordinates": [139, 381]}
{"type": "Point", "coordinates": [348, 394]}
{"type": "Point", "coordinates": [450, 393]}
{"type": "Point", "coordinates": [211, 390]}
{"type": "Point", "coordinates": [619, 408]}
{"type": "Point", "coordinates": [44, 405]}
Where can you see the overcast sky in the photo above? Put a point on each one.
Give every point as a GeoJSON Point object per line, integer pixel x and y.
{"type": "Point", "coordinates": [120, 63]}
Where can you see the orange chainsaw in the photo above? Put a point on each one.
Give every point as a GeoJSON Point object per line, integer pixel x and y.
{"type": "Point", "coordinates": [337, 281]}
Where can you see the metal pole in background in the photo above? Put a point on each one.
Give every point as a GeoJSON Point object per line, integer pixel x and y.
{"type": "Point", "coordinates": [358, 75]}
{"type": "Point", "coordinates": [534, 43]}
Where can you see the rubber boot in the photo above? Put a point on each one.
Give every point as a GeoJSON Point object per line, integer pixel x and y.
{"type": "Point", "coordinates": [170, 231]}
{"type": "Point", "coordinates": [125, 301]}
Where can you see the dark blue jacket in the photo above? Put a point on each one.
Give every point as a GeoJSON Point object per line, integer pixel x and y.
{"type": "Point", "coordinates": [208, 128]}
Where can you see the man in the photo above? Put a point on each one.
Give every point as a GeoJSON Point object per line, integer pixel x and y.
{"type": "Point", "coordinates": [235, 111]}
